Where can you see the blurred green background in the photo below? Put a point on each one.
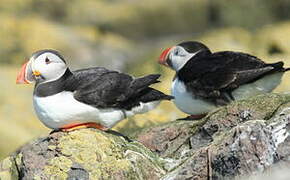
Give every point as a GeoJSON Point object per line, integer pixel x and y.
{"type": "Point", "coordinates": [127, 35]}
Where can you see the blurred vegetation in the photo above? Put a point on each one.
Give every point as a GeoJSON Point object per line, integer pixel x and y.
{"type": "Point", "coordinates": [127, 35]}
{"type": "Point", "coordinates": [82, 28]}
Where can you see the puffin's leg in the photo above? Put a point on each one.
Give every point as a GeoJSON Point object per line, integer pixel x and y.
{"type": "Point", "coordinates": [72, 127]}
{"type": "Point", "coordinates": [193, 117]}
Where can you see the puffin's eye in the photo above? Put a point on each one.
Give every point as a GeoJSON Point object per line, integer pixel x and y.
{"type": "Point", "coordinates": [47, 61]}
{"type": "Point", "coordinates": [179, 52]}
{"type": "Point", "coordinates": [176, 52]}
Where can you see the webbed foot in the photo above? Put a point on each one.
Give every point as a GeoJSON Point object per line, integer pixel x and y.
{"type": "Point", "coordinates": [72, 127]}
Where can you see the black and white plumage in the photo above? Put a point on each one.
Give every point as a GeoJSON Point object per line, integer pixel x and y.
{"type": "Point", "coordinates": [205, 80]}
{"type": "Point", "coordinates": [93, 95]}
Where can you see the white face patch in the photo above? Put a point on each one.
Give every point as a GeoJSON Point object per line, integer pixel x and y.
{"type": "Point", "coordinates": [179, 57]}
{"type": "Point", "coordinates": [50, 66]}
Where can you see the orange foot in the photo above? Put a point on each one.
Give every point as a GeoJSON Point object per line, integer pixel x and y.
{"type": "Point", "coordinates": [72, 127]}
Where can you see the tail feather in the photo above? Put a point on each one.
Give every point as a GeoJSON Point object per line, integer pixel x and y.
{"type": "Point", "coordinates": [287, 69]}
{"type": "Point", "coordinates": [140, 92]}
{"type": "Point", "coordinates": [277, 66]}
{"type": "Point", "coordinates": [151, 94]}
{"type": "Point", "coordinates": [145, 81]}
{"type": "Point", "coordinates": [139, 84]}
{"type": "Point", "coordinates": [147, 95]}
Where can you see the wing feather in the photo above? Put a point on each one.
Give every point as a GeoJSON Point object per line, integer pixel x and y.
{"type": "Point", "coordinates": [103, 88]}
{"type": "Point", "coordinates": [219, 73]}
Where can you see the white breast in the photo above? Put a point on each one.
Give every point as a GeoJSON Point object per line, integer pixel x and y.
{"type": "Point", "coordinates": [62, 109]}
{"type": "Point", "coordinates": [186, 102]}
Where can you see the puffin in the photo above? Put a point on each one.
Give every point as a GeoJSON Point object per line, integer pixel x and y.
{"type": "Point", "coordinates": [205, 80]}
{"type": "Point", "coordinates": [94, 97]}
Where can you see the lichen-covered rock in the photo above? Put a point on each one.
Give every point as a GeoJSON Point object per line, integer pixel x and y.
{"type": "Point", "coordinates": [247, 137]}
{"type": "Point", "coordinates": [82, 154]}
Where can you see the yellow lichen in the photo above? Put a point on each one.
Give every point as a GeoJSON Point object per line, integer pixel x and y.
{"type": "Point", "coordinates": [98, 153]}
{"type": "Point", "coordinates": [18, 159]}
{"type": "Point", "coordinates": [51, 147]}
{"type": "Point", "coordinates": [6, 163]}
{"type": "Point", "coordinates": [8, 170]}
{"type": "Point", "coordinates": [58, 167]}
{"type": "Point", "coordinates": [36, 178]}
{"type": "Point", "coordinates": [6, 175]}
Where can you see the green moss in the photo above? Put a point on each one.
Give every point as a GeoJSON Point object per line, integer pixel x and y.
{"type": "Point", "coordinates": [281, 112]}
{"type": "Point", "coordinates": [265, 104]}
{"type": "Point", "coordinates": [144, 160]}
{"type": "Point", "coordinates": [141, 149]}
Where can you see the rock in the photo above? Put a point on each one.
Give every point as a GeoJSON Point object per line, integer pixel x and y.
{"type": "Point", "coordinates": [82, 154]}
{"type": "Point", "coordinates": [247, 137]}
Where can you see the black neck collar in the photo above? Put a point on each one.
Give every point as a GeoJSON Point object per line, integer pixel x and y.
{"type": "Point", "coordinates": [185, 74]}
{"type": "Point", "coordinates": [53, 87]}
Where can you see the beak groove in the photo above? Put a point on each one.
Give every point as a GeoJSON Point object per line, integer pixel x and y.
{"type": "Point", "coordinates": [163, 57]}
{"type": "Point", "coordinates": [23, 76]}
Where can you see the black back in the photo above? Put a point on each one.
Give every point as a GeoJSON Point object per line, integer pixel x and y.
{"type": "Point", "coordinates": [213, 75]}
{"type": "Point", "coordinates": [103, 88]}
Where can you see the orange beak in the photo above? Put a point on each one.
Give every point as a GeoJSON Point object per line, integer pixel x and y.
{"type": "Point", "coordinates": [163, 57]}
{"type": "Point", "coordinates": [23, 75]}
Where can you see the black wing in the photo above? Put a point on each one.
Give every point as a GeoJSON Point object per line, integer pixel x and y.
{"type": "Point", "coordinates": [103, 88]}
{"type": "Point", "coordinates": [214, 77]}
